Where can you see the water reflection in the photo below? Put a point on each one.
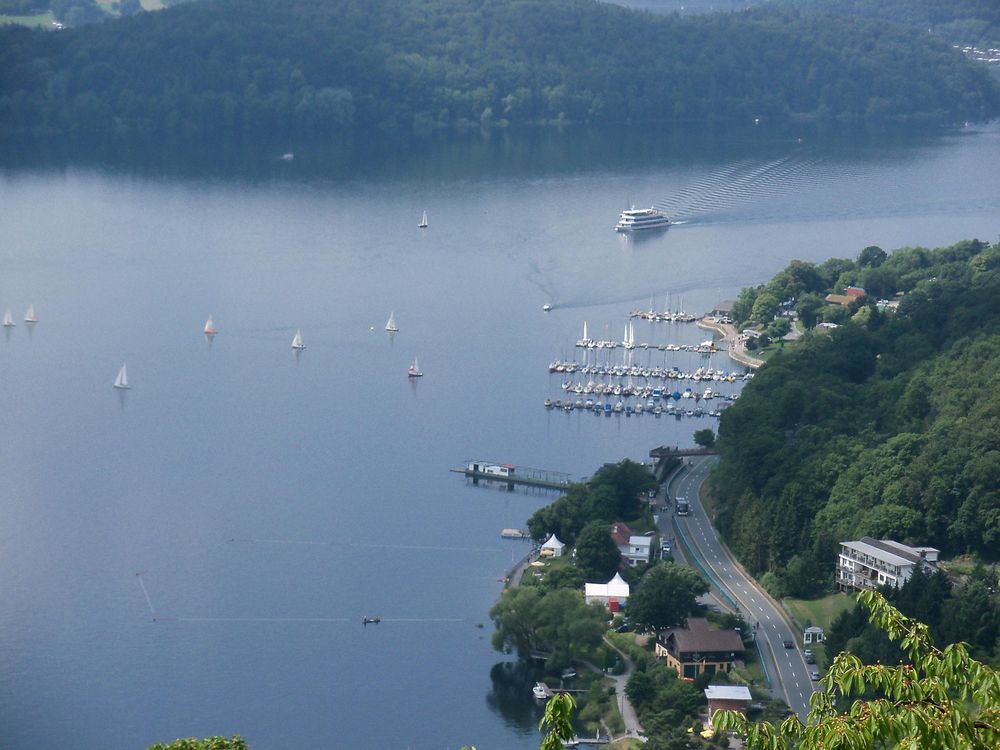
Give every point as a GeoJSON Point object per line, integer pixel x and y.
{"type": "Point", "coordinates": [565, 151]}
{"type": "Point", "coordinates": [510, 694]}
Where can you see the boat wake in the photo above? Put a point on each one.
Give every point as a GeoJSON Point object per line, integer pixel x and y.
{"type": "Point", "coordinates": [738, 184]}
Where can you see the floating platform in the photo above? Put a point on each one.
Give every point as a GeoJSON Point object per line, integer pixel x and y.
{"type": "Point", "coordinates": [511, 475]}
{"type": "Point", "coordinates": [515, 534]}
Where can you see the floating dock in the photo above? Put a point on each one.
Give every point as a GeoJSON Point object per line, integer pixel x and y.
{"type": "Point", "coordinates": [514, 475]}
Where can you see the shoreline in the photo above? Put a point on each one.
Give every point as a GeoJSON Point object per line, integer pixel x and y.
{"type": "Point", "coordinates": [734, 344]}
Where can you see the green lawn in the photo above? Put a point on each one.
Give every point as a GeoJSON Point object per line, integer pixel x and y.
{"type": "Point", "coordinates": [42, 19]}
{"type": "Point", "coordinates": [820, 612]}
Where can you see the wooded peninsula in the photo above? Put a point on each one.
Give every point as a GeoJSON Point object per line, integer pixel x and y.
{"type": "Point", "coordinates": [230, 69]}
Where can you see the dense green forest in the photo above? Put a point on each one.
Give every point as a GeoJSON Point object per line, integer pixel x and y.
{"type": "Point", "coordinates": [233, 68]}
{"type": "Point", "coordinates": [959, 21]}
{"type": "Point", "coordinates": [887, 425]}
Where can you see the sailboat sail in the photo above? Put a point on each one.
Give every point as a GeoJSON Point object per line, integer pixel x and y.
{"type": "Point", "coordinates": [423, 221]}
{"type": "Point", "coordinates": [414, 370]}
{"type": "Point", "coordinates": [121, 381]}
{"type": "Point", "coordinates": [210, 329]}
{"type": "Point", "coordinates": [297, 341]}
{"type": "Point", "coordinates": [29, 316]}
{"type": "Point", "coordinates": [8, 319]}
{"type": "Point", "coordinates": [391, 325]}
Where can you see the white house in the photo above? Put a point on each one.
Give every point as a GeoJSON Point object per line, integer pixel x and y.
{"type": "Point", "coordinates": [612, 594]}
{"type": "Point", "coordinates": [869, 562]}
{"type": "Point", "coordinates": [640, 550]}
{"type": "Point", "coordinates": [552, 547]}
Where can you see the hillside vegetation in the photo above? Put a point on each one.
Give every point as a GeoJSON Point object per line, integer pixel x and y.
{"type": "Point", "coordinates": [230, 68]}
{"type": "Point", "coordinates": [886, 426]}
{"type": "Point", "coordinates": [960, 21]}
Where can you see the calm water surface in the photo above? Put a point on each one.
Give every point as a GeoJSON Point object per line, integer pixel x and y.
{"type": "Point", "coordinates": [195, 556]}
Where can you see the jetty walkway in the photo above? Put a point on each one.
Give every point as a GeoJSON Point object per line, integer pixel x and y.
{"type": "Point", "coordinates": [733, 342]}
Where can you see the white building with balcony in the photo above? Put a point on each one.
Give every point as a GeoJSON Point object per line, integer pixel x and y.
{"type": "Point", "coordinates": [869, 563]}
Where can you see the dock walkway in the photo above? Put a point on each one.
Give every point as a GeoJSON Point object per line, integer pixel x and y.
{"type": "Point", "coordinates": [549, 480]}
{"type": "Point", "coordinates": [734, 344]}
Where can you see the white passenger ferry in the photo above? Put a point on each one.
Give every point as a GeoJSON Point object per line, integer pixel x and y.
{"type": "Point", "coordinates": [637, 219]}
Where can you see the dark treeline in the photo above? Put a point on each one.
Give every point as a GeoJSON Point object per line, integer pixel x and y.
{"type": "Point", "coordinates": [886, 426]}
{"type": "Point", "coordinates": [967, 611]}
{"type": "Point", "coordinates": [229, 69]}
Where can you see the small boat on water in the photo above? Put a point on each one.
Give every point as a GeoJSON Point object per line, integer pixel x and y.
{"type": "Point", "coordinates": [297, 340]}
{"type": "Point", "coordinates": [413, 371]}
{"type": "Point", "coordinates": [423, 221]}
{"type": "Point", "coordinates": [121, 380]}
{"type": "Point", "coordinates": [391, 325]}
{"type": "Point", "coordinates": [8, 320]}
{"type": "Point", "coordinates": [547, 307]}
{"type": "Point", "coordinates": [29, 316]}
{"type": "Point", "coordinates": [540, 691]}
{"type": "Point", "coordinates": [371, 619]}
{"type": "Point", "coordinates": [210, 329]}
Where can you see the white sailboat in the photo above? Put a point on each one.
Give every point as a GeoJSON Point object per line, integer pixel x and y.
{"type": "Point", "coordinates": [29, 316]}
{"type": "Point", "coordinates": [297, 340]}
{"type": "Point", "coordinates": [121, 382]}
{"type": "Point", "coordinates": [423, 221]}
{"type": "Point", "coordinates": [8, 320]}
{"type": "Point", "coordinates": [210, 329]}
{"type": "Point", "coordinates": [391, 325]}
{"type": "Point", "coordinates": [414, 370]}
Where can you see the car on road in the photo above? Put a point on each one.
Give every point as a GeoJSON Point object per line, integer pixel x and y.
{"type": "Point", "coordinates": [788, 644]}
{"type": "Point", "coordinates": [810, 657]}
{"type": "Point", "coordinates": [814, 675]}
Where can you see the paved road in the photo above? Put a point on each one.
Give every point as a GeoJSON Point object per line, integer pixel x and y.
{"type": "Point", "coordinates": [787, 670]}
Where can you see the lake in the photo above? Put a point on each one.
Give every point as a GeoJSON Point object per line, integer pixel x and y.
{"type": "Point", "coordinates": [194, 556]}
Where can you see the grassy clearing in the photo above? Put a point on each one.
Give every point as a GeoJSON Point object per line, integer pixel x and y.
{"type": "Point", "coordinates": [42, 19]}
{"type": "Point", "coordinates": [820, 612]}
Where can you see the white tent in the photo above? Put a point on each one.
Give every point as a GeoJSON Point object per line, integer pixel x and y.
{"type": "Point", "coordinates": [611, 594]}
{"type": "Point", "coordinates": [555, 545]}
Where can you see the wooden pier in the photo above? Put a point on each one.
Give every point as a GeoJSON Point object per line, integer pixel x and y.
{"type": "Point", "coordinates": [511, 476]}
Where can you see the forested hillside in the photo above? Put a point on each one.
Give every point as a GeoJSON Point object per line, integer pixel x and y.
{"type": "Point", "coordinates": [960, 21]}
{"type": "Point", "coordinates": [887, 426]}
{"type": "Point", "coordinates": [229, 68]}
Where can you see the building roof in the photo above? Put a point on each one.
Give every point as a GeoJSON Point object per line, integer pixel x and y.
{"type": "Point", "coordinates": [891, 552]}
{"type": "Point", "coordinates": [620, 533]}
{"type": "Point", "coordinates": [640, 541]}
{"type": "Point", "coordinates": [839, 299]}
{"type": "Point", "coordinates": [725, 306]}
{"type": "Point", "coordinates": [854, 291]}
{"type": "Point", "coordinates": [698, 636]}
{"type": "Point", "coordinates": [728, 693]}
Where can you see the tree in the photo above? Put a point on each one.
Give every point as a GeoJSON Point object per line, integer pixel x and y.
{"type": "Point", "coordinates": [666, 596]}
{"type": "Point", "coordinates": [872, 256]}
{"type": "Point", "coordinates": [559, 623]}
{"type": "Point", "coordinates": [209, 743]}
{"type": "Point", "coordinates": [779, 327]}
{"type": "Point", "coordinates": [705, 438]}
{"type": "Point", "coordinates": [808, 308]}
{"type": "Point", "coordinates": [936, 699]}
{"type": "Point", "coordinates": [558, 717]}
{"type": "Point", "coordinates": [596, 553]}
